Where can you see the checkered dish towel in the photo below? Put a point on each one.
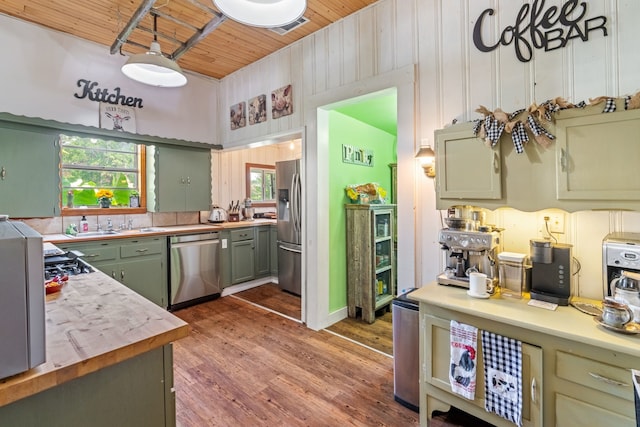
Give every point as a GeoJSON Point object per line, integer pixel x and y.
{"type": "Point", "coordinates": [503, 376]}
{"type": "Point", "coordinates": [464, 346]}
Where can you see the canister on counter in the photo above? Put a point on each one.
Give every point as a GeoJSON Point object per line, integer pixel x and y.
{"type": "Point", "coordinates": [513, 270]}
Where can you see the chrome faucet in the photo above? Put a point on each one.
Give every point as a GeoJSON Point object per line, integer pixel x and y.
{"type": "Point", "coordinates": [109, 225]}
{"type": "Point", "coordinates": [130, 223]}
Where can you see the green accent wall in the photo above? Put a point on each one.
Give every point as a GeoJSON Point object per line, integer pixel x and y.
{"type": "Point", "coordinates": [346, 130]}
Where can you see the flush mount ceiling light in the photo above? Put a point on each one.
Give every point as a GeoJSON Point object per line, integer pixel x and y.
{"type": "Point", "coordinates": [153, 68]}
{"type": "Point", "coordinates": [262, 13]}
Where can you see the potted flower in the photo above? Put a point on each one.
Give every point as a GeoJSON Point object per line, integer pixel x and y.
{"type": "Point", "coordinates": [104, 198]}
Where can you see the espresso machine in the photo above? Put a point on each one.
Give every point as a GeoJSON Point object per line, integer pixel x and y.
{"type": "Point", "coordinates": [466, 252]}
{"type": "Point", "coordinates": [551, 271]}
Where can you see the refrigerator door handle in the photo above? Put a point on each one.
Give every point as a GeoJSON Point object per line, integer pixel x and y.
{"type": "Point", "coordinates": [285, 248]}
{"type": "Point", "coordinates": [295, 202]}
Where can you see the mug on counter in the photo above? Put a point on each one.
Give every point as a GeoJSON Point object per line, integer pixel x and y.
{"type": "Point", "coordinates": [478, 284]}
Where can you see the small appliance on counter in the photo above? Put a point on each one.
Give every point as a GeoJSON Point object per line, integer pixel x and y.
{"type": "Point", "coordinates": [551, 272]}
{"type": "Point", "coordinates": [217, 214]}
{"type": "Point", "coordinates": [22, 303]}
{"type": "Point", "coordinates": [621, 269]}
{"type": "Point", "coordinates": [466, 252]}
{"type": "Point", "coordinates": [247, 211]}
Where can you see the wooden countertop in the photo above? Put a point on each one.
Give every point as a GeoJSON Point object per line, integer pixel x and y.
{"type": "Point", "coordinates": [160, 231]}
{"type": "Point", "coordinates": [92, 323]}
{"type": "Point", "coordinates": [566, 322]}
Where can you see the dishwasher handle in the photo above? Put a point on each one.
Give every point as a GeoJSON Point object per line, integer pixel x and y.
{"type": "Point", "coordinates": [195, 243]}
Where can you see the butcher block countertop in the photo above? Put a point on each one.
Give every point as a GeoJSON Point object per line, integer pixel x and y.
{"type": "Point", "coordinates": [159, 231]}
{"type": "Point", "coordinates": [92, 323]}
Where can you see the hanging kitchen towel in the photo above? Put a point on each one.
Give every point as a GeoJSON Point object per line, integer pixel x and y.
{"type": "Point", "coordinates": [635, 378]}
{"type": "Point", "coordinates": [464, 346]}
{"type": "Point", "coordinates": [503, 376]}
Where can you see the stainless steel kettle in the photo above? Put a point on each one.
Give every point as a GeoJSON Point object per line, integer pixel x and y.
{"type": "Point", "coordinates": [217, 214]}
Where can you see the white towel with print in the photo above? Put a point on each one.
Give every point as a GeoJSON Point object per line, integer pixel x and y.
{"type": "Point", "coordinates": [464, 346]}
{"type": "Point", "coordinates": [502, 358]}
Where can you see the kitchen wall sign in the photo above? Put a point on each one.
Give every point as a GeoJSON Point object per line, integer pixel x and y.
{"type": "Point", "coordinates": [258, 109]}
{"type": "Point", "coordinates": [117, 117]}
{"type": "Point", "coordinates": [357, 156]}
{"type": "Point", "coordinates": [539, 28]}
{"type": "Point", "coordinates": [92, 91]}
{"type": "Point", "coordinates": [281, 104]}
{"type": "Point", "coordinates": [238, 115]}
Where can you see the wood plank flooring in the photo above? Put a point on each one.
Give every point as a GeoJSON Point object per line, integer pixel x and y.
{"type": "Point", "coordinates": [378, 335]}
{"type": "Point", "coordinates": [245, 366]}
{"type": "Point", "coordinates": [272, 297]}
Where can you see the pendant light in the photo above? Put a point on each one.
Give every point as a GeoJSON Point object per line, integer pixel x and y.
{"type": "Point", "coordinates": [153, 68]}
{"type": "Point", "coordinates": [262, 13]}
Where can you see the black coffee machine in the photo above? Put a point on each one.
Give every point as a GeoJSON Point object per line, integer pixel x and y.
{"type": "Point", "coordinates": [551, 273]}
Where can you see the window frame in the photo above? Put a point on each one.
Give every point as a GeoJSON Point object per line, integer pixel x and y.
{"type": "Point", "coordinates": [261, 203]}
{"type": "Point", "coordinates": [142, 180]}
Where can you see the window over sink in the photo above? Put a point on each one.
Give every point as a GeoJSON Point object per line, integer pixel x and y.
{"type": "Point", "coordinates": [93, 167]}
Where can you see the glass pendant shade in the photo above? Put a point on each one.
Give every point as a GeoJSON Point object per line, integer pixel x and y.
{"type": "Point", "coordinates": [154, 69]}
{"type": "Point", "coordinates": [262, 13]}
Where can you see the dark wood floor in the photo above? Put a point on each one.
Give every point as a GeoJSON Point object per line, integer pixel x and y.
{"type": "Point", "coordinates": [245, 366]}
{"type": "Point", "coordinates": [272, 297]}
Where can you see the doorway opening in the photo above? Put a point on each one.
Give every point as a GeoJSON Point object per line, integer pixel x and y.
{"type": "Point", "coordinates": [367, 123]}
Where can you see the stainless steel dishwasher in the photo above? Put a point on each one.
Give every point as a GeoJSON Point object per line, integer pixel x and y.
{"type": "Point", "coordinates": [194, 269]}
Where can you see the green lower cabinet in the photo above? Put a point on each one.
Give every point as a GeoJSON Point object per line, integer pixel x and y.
{"type": "Point", "coordinates": [273, 250]}
{"type": "Point", "coordinates": [247, 254]}
{"type": "Point", "coordinates": [263, 249]}
{"type": "Point", "coordinates": [135, 392]}
{"type": "Point", "coordinates": [242, 261]}
{"type": "Point", "coordinates": [139, 264]}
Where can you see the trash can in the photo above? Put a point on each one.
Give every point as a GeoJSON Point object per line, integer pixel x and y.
{"type": "Point", "coordinates": [406, 352]}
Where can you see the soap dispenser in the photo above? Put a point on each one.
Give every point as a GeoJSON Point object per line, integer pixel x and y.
{"type": "Point", "coordinates": [84, 224]}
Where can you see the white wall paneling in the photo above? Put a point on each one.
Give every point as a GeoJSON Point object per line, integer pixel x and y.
{"type": "Point", "coordinates": [41, 68]}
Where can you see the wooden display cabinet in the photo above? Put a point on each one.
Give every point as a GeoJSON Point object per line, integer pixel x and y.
{"type": "Point", "coordinates": [370, 258]}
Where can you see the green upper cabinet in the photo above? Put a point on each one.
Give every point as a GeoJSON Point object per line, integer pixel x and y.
{"type": "Point", "coordinates": [597, 156]}
{"type": "Point", "coordinates": [465, 167]}
{"type": "Point", "coordinates": [179, 179]}
{"type": "Point", "coordinates": [29, 179]}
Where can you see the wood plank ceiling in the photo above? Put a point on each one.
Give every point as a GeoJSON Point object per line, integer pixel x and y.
{"type": "Point", "coordinates": [228, 48]}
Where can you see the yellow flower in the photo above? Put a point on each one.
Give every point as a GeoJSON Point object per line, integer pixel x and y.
{"type": "Point", "coordinates": [382, 192]}
{"type": "Point", "coordinates": [104, 194]}
{"type": "Point", "coordinates": [351, 193]}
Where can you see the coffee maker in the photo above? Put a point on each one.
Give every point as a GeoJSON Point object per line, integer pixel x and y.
{"type": "Point", "coordinates": [551, 272]}
{"type": "Point", "coordinates": [466, 252]}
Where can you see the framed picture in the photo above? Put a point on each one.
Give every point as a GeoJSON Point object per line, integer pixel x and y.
{"type": "Point", "coordinates": [281, 104]}
{"type": "Point", "coordinates": [238, 115]}
{"type": "Point", "coordinates": [117, 117]}
{"type": "Point", "coordinates": [258, 109]}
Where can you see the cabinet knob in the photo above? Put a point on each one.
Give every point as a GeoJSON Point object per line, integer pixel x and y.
{"type": "Point", "coordinates": [121, 274]}
{"type": "Point", "coordinates": [3, 173]}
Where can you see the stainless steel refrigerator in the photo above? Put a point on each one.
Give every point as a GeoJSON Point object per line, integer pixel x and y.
{"type": "Point", "coordinates": [289, 194]}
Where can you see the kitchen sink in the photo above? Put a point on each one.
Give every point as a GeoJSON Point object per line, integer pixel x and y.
{"type": "Point", "coordinates": [150, 229]}
{"type": "Point", "coordinates": [96, 233]}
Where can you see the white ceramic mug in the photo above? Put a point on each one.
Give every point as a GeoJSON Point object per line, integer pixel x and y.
{"type": "Point", "coordinates": [477, 283]}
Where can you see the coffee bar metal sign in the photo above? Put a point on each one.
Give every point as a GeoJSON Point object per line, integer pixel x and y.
{"type": "Point", "coordinates": [357, 156]}
{"type": "Point", "coordinates": [540, 27]}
